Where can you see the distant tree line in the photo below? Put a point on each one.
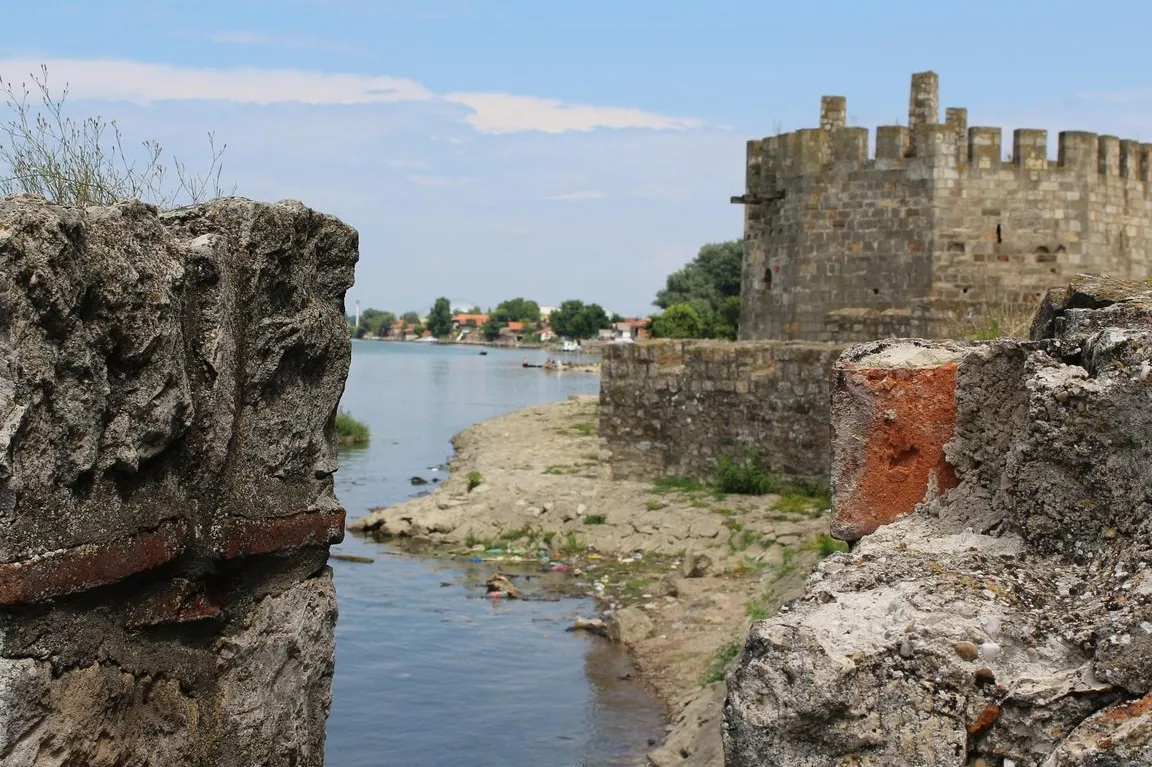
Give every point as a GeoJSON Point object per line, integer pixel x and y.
{"type": "Point", "coordinates": [573, 319]}
{"type": "Point", "coordinates": [702, 300]}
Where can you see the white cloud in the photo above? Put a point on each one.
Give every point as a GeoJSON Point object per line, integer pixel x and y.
{"type": "Point", "coordinates": [506, 113]}
{"type": "Point", "coordinates": [145, 83]}
{"type": "Point", "coordinates": [492, 113]}
{"type": "Point", "coordinates": [576, 196]}
{"type": "Point", "coordinates": [440, 181]}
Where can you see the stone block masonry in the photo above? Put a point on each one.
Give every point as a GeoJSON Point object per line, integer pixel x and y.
{"type": "Point", "coordinates": [1004, 616]}
{"type": "Point", "coordinates": [671, 407]}
{"type": "Point", "coordinates": [937, 230]}
{"type": "Point", "coordinates": [167, 401]}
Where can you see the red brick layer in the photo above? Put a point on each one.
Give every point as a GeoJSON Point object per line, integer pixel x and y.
{"type": "Point", "coordinates": [89, 565]}
{"type": "Point", "coordinates": [901, 461]}
{"type": "Point", "coordinates": [83, 567]}
{"type": "Point", "coordinates": [242, 537]}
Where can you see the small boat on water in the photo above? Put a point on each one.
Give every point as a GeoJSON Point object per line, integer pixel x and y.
{"type": "Point", "coordinates": [483, 353]}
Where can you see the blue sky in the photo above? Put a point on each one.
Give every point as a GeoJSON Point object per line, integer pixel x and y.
{"type": "Point", "coordinates": [490, 149]}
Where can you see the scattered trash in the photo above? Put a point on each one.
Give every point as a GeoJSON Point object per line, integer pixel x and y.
{"type": "Point", "coordinates": [418, 481]}
{"type": "Point", "coordinates": [499, 586]}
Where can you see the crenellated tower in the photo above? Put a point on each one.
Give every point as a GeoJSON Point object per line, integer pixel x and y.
{"type": "Point", "coordinates": [935, 229]}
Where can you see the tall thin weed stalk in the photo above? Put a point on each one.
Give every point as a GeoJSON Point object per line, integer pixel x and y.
{"type": "Point", "coordinates": [44, 151]}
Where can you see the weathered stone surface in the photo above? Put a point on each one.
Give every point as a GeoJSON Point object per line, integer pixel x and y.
{"type": "Point", "coordinates": [165, 370]}
{"type": "Point", "coordinates": [271, 699]}
{"type": "Point", "coordinates": [284, 654]}
{"type": "Point", "coordinates": [1132, 300]}
{"type": "Point", "coordinates": [893, 409]}
{"type": "Point", "coordinates": [672, 407]}
{"type": "Point", "coordinates": [1009, 619]}
{"type": "Point", "coordinates": [168, 389]}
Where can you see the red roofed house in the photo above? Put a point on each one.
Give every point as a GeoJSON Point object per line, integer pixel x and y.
{"type": "Point", "coordinates": [465, 326]}
{"type": "Point", "coordinates": [631, 329]}
{"type": "Point", "coordinates": [513, 331]}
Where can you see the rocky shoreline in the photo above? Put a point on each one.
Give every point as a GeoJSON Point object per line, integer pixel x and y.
{"type": "Point", "coordinates": [678, 569]}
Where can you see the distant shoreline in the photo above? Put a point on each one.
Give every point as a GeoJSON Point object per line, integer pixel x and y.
{"type": "Point", "coordinates": [589, 347]}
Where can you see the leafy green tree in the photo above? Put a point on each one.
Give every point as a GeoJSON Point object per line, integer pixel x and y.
{"type": "Point", "coordinates": [709, 282]}
{"type": "Point", "coordinates": [727, 321]}
{"type": "Point", "coordinates": [679, 321]}
{"type": "Point", "coordinates": [440, 318]}
{"type": "Point", "coordinates": [517, 310]}
{"type": "Point", "coordinates": [575, 319]}
{"type": "Point", "coordinates": [374, 322]}
{"type": "Point", "coordinates": [412, 318]}
{"type": "Point", "coordinates": [491, 329]}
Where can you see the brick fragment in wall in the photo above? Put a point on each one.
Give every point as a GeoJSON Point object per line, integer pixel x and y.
{"type": "Point", "coordinates": [893, 410]}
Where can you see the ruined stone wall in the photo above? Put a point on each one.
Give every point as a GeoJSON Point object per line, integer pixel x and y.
{"type": "Point", "coordinates": [671, 407]}
{"type": "Point", "coordinates": [996, 606]}
{"type": "Point", "coordinates": [167, 400]}
{"type": "Point", "coordinates": [934, 225]}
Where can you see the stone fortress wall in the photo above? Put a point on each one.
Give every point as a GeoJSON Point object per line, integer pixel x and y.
{"type": "Point", "coordinates": [935, 228]}
{"type": "Point", "coordinates": [675, 407]}
{"type": "Point", "coordinates": [934, 233]}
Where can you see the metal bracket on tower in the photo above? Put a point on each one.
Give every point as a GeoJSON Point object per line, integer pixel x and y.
{"type": "Point", "coordinates": [751, 199]}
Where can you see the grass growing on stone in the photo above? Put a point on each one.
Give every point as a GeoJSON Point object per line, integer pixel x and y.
{"type": "Point", "coordinates": [573, 543]}
{"type": "Point", "coordinates": [801, 504]}
{"type": "Point", "coordinates": [744, 478]}
{"type": "Point", "coordinates": [474, 479]}
{"type": "Point", "coordinates": [594, 519]}
{"type": "Point", "coordinates": [720, 662]}
{"type": "Point", "coordinates": [352, 433]}
{"type": "Point", "coordinates": [825, 545]}
{"type": "Point", "coordinates": [579, 429]}
{"type": "Point", "coordinates": [653, 505]}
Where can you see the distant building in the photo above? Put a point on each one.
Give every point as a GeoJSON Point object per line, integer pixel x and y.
{"type": "Point", "coordinates": [513, 332]}
{"type": "Point", "coordinates": [630, 329]}
{"type": "Point", "coordinates": [546, 312]}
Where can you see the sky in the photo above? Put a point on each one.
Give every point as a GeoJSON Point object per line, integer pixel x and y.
{"type": "Point", "coordinates": [488, 149]}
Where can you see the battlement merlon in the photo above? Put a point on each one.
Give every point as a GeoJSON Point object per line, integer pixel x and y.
{"type": "Point", "coordinates": [834, 147]}
{"type": "Point", "coordinates": [923, 101]}
{"type": "Point", "coordinates": [833, 112]}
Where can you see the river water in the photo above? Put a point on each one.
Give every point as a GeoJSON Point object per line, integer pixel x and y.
{"type": "Point", "coordinates": [428, 672]}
